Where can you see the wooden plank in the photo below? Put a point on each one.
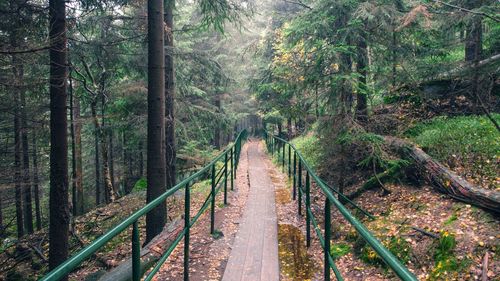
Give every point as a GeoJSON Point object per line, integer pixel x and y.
{"type": "Point", "coordinates": [254, 255]}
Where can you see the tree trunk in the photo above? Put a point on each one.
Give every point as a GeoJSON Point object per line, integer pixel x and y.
{"type": "Point", "coordinates": [156, 168]}
{"type": "Point", "coordinates": [150, 254]}
{"type": "Point", "coordinates": [98, 187]}
{"type": "Point", "coordinates": [17, 152]}
{"type": "Point", "coordinates": [289, 127]}
{"type": "Point", "coordinates": [27, 202]}
{"type": "Point", "coordinates": [443, 179]}
{"type": "Point", "coordinates": [217, 133]}
{"type": "Point", "coordinates": [141, 159]}
{"type": "Point", "coordinates": [170, 151]}
{"type": "Point", "coordinates": [1, 216]}
{"type": "Point", "coordinates": [58, 203]}
{"type": "Point", "coordinates": [362, 68]}
{"type": "Point", "coordinates": [109, 190]}
{"type": "Point", "coordinates": [394, 57]}
{"type": "Point", "coordinates": [36, 183]}
{"type": "Point", "coordinates": [76, 153]}
{"type": "Point", "coordinates": [473, 40]}
{"type": "Point", "coordinates": [112, 161]}
{"type": "Point", "coordinates": [125, 174]}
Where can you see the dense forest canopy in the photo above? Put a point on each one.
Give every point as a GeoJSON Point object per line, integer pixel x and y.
{"type": "Point", "coordinates": [371, 90]}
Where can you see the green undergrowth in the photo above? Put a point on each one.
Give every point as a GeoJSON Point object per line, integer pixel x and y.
{"type": "Point", "coordinates": [339, 249]}
{"type": "Point", "coordinates": [469, 144]}
{"type": "Point", "coordinates": [396, 245]}
{"type": "Point", "coordinates": [446, 265]}
{"type": "Point", "coordinates": [309, 147]}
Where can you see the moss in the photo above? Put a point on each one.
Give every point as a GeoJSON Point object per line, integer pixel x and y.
{"type": "Point", "coordinates": [468, 141]}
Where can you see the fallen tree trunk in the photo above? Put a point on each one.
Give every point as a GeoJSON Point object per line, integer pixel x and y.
{"type": "Point", "coordinates": [443, 179]}
{"type": "Point", "coordinates": [150, 254]}
{"type": "Point", "coordinates": [376, 181]}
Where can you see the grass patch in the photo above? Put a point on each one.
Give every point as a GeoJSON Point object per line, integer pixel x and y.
{"type": "Point", "coordinates": [471, 144]}
{"type": "Point", "coordinates": [447, 266]}
{"type": "Point", "coordinates": [451, 219]}
{"type": "Point", "coordinates": [398, 246]}
{"type": "Point", "coordinates": [340, 249]}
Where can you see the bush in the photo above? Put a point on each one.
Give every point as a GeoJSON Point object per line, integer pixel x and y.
{"type": "Point", "coordinates": [470, 142]}
{"type": "Point", "coordinates": [310, 149]}
{"type": "Point", "coordinates": [140, 185]}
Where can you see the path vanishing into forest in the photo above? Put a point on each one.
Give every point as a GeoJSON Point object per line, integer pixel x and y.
{"type": "Point", "coordinates": [254, 255]}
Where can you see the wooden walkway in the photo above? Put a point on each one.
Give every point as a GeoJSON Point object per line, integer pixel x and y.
{"type": "Point", "coordinates": [254, 255]}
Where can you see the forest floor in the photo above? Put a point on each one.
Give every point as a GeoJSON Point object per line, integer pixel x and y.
{"type": "Point", "coordinates": [209, 253]}
{"type": "Point", "coordinates": [28, 260]}
{"type": "Point", "coordinates": [436, 236]}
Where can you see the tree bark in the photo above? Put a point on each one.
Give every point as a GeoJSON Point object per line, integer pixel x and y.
{"type": "Point", "coordinates": [141, 160]}
{"type": "Point", "coordinates": [17, 149]}
{"type": "Point", "coordinates": [170, 150]}
{"type": "Point", "coordinates": [36, 183]}
{"type": "Point", "coordinates": [98, 187]}
{"type": "Point", "coordinates": [217, 132]}
{"type": "Point", "coordinates": [289, 127]}
{"type": "Point", "coordinates": [58, 202]}
{"type": "Point", "coordinates": [109, 190]}
{"type": "Point", "coordinates": [474, 40]}
{"type": "Point", "coordinates": [156, 168]}
{"type": "Point", "coordinates": [125, 174]}
{"type": "Point", "coordinates": [17, 174]}
{"type": "Point", "coordinates": [443, 179]}
{"type": "Point", "coordinates": [27, 202]}
{"type": "Point", "coordinates": [76, 151]}
{"type": "Point", "coordinates": [112, 161]}
{"type": "Point", "coordinates": [150, 254]}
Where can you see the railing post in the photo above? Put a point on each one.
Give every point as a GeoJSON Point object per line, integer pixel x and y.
{"type": "Point", "coordinates": [294, 175]}
{"type": "Point", "coordinates": [225, 178]}
{"type": "Point", "coordinates": [212, 204]}
{"type": "Point", "coordinates": [299, 191]}
{"type": "Point", "coordinates": [232, 169]}
{"type": "Point", "coordinates": [136, 253]}
{"type": "Point", "coordinates": [328, 230]}
{"type": "Point", "coordinates": [289, 159]}
{"type": "Point", "coordinates": [308, 207]}
{"type": "Point", "coordinates": [283, 158]}
{"type": "Point", "coordinates": [187, 226]}
{"type": "Point", "coordinates": [236, 159]}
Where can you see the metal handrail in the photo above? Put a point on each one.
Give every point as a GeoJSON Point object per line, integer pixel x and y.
{"type": "Point", "coordinates": [229, 156]}
{"type": "Point", "coordinates": [277, 144]}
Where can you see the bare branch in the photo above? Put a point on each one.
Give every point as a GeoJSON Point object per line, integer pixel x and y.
{"type": "Point", "coordinates": [300, 3]}
{"type": "Point", "coordinates": [467, 10]}
{"type": "Point", "coordinates": [33, 50]}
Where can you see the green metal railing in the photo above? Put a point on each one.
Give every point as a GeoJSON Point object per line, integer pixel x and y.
{"type": "Point", "coordinates": [219, 179]}
{"type": "Point", "coordinates": [296, 166]}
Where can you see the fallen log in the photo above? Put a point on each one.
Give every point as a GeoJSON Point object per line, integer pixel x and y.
{"type": "Point", "coordinates": [150, 254]}
{"type": "Point", "coordinates": [443, 179]}
{"type": "Point", "coordinates": [376, 181]}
